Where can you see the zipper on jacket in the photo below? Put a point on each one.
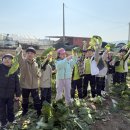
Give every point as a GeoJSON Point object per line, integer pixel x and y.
{"type": "Point", "coordinates": [32, 77]}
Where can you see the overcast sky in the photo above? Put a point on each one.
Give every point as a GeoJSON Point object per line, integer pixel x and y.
{"type": "Point", "coordinates": [40, 18]}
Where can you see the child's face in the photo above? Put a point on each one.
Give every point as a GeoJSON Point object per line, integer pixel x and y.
{"type": "Point", "coordinates": [62, 55]}
{"type": "Point", "coordinates": [123, 53]}
{"type": "Point", "coordinates": [110, 55]}
{"type": "Point", "coordinates": [7, 61]}
{"type": "Point", "coordinates": [120, 55]}
{"type": "Point", "coordinates": [30, 55]}
{"type": "Point", "coordinates": [89, 53]}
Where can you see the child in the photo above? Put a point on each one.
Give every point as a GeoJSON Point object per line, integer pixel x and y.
{"type": "Point", "coordinates": [119, 66]}
{"type": "Point", "coordinates": [45, 81]}
{"type": "Point", "coordinates": [124, 52]}
{"type": "Point", "coordinates": [77, 74]}
{"type": "Point", "coordinates": [110, 72]}
{"type": "Point", "coordinates": [64, 67]}
{"type": "Point", "coordinates": [29, 79]}
{"type": "Point", "coordinates": [9, 87]}
{"type": "Point", "coordinates": [100, 77]}
{"type": "Point", "coordinates": [90, 65]}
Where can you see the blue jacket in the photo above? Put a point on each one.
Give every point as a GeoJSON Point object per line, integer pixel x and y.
{"type": "Point", "coordinates": [64, 68]}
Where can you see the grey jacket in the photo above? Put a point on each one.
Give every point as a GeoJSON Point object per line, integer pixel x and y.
{"type": "Point", "coordinates": [46, 76]}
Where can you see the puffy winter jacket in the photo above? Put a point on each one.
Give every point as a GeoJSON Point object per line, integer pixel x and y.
{"type": "Point", "coordinates": [9, 86]}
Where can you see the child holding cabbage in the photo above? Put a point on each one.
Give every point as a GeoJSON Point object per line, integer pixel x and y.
{"type": "Point", "coordinates": [29, 79]}
{"type": "Point", "coordinates": [9, 90]}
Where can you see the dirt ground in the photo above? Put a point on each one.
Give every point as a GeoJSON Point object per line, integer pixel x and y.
{"type": "Point", "coordinates": [115, 122]}
{"type": "Point", "coordinates": [118, 120]}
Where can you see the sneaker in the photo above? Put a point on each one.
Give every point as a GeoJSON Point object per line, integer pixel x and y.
{"type": "Point", "coordinates": [14, 122]}
{"type": "Point", "coordinates": [103, 93]}
{"type": "Point", "coordinates": [72, 100]}
{"type": "Point", "coordinates": [92, 99]}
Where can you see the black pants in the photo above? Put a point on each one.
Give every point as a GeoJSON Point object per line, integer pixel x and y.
{"type": "Point", "coordinates": [76, 84]}
{"type": "Point", "coordinates": [125, 75]}
{"type": "Point", "coordinates": [45, 95]}
{"type": "Point", "coordinates": [6, 110]}
{"type": "Point", "coordinates": [87, 78]}
{"type": "Point", "coordinates": [25, 99]}
{"type": "Point", "coordinates": [119, 78]}
{"type": "Point", "coordinates": [100, 85]}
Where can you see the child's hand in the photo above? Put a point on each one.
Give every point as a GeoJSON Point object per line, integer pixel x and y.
{"type": "Point", "coordinates": [39, 73]}
{"type": "Point", "coordinates": [16, 98]}
{"type": "Point", "coordinates": [75, 54]}
{"type": "Point", "coordinates": [69, 57]}
{"type": "Point", "coordinates": [112, 62]}
{"type": "Point", "coordinates": [49, 56]}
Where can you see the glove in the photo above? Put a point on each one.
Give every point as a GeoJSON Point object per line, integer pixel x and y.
{"type": "Point", "coordinates": [16, 98]}
{"type": "Point", "coordinates": [39, 74]}
{"type": "Point", "coordinates": [18, 49]}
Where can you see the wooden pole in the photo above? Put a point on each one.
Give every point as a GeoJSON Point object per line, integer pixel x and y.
{"type": "Point", "coordinates": [63, 24]}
